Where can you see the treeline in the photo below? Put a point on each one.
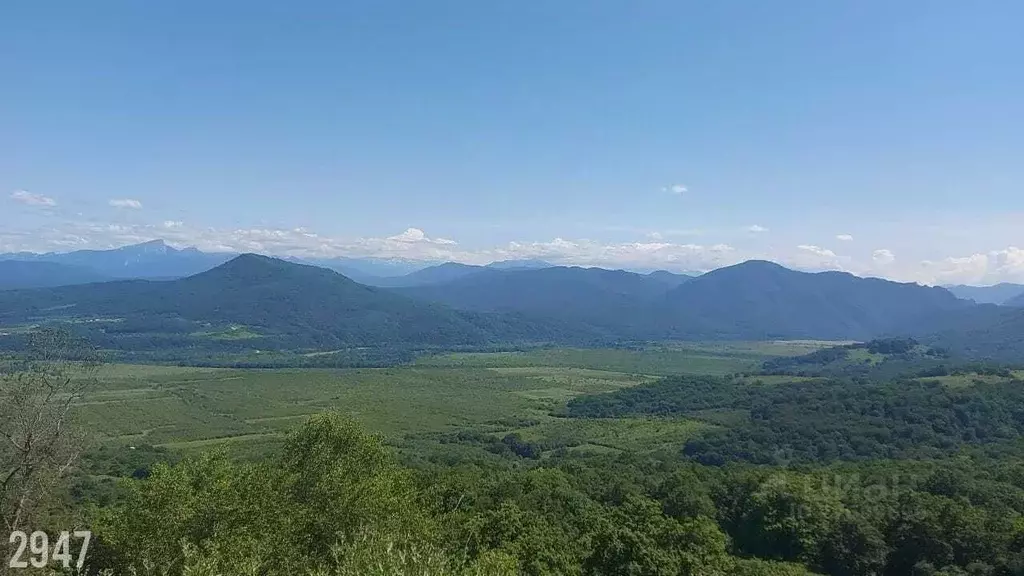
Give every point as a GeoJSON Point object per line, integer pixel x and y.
{"type": "Point", "coordinates": [879, 358]}
{"type": "Point", "coordinates": [335, 501]}
{"type": "Point", "coordinates": [165, 339]}
{"type": "Point", "coordinates": [825, 419]}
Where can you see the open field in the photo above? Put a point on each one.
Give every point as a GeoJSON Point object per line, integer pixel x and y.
{"type": "Point", "coordinates": [965, 380]}
{"type": "Point", "coordinates": [712, 358]}
{"type": "Point", "coordinates": [617, 434]}
{"type": "Point", "coordinates": [192, 408]}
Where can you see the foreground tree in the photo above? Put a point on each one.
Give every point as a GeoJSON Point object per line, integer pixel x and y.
{"type": "Point", "coordinates": [641, 541]}
{"type": "Point", "coordinates": [334, 502]}
{"type": "Point", "coordinates": [39, 443]}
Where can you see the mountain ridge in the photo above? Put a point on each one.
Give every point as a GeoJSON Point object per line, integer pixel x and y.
{"type": "Point", "coordinates": [761, 297]}
{"type": "Point", "coordinates": [1016, 301]}
{"type": "Point", "coordinates": [151, 259]}
{"type": "Point", "coordinates": [1000, 293]}
{"type": "Point", "coordinates": [293, 304]}
{"type": "Point", "coordinates": [15, 274]}
{"type": "Point", "coordinates": [752, 300]}
{"type": "Point", "coordinates": [306, 306]}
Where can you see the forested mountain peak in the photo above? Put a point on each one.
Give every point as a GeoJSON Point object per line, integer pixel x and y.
{"type": "Point", "coordinates": [750, 266]}
{"type": "Point", "coordinates": [430, 275]}
{"type": "Point", "coordinates": [758, 299]}
{"type": "Point", "coordinates": [256, 267]}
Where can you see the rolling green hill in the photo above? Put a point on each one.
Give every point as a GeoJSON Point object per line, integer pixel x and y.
{"type": "Point", "coordinates": [616, 302]}
{"type": "Point", "coordinates": [763, 300]}
{"type": "Point", "coordinates": [288, 305]}
{"type": "Point", "coordinates": [431, 275]}
{"type": "Point", "coordinates": [750, 301]}
{"type": "Point", "coordinates": [283, 305]}
{"type": "Point", "coordinates": [983, 332]}
{"type": "Point", "coordinates": [544, 289]}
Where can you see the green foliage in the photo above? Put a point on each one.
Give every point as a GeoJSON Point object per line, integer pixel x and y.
{"type": "Point", "coordinates": [657, 359]}
{"type": "Point", "coordinates": [685, 495]}
{"type": "Point", "coordinates": [187, 408]}
{"type": "Point", "coordinates": [669, 396]}
{"type": "Point", "coordinates": [639, 540]}
{"type": "Point", "coordinates": [336, 495]}
{"type": "Point", "coordinates": [39, 441]}
{"type": "Point", "coordinates": [986, 332]}
{"type": "Point", "coordinates": [880, 358]}
{"type": "Point", "coordinates": [331, 485]}
{"type": "Point", "coordinates": [335, 502]}
{"type": "Point", "coordinates": [824, 420]}
{"type": "Point", "coordinates": [853, 547]}
{"type": "Point", "coordinates": [785, 518]}
{"type": "Point", "coordinates": [758, 567]}
{"type": "Point", "coordinates": [447, 505]}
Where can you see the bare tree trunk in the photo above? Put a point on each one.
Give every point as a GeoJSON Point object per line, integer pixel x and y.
{"type": "Point", "coordinates": [38, 443]}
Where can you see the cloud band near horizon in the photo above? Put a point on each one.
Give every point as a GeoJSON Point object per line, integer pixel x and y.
{"type": "Point", "coordinates": [1000, 265]}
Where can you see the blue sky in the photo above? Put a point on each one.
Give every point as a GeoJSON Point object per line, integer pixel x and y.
{"type": "Point", "coordinates": [567, 130]}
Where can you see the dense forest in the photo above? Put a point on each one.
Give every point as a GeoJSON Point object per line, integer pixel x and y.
{"type": "Point", "coordinates": [838, 476]}
{"type": "Point", "coordinates": [337, 501]}
{"type": "Point", "coordinates": [834, 408]}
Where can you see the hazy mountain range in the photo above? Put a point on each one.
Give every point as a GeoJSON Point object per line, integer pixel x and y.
{"type": "Point", "coordinates": [31, 274]}
{"type": "Point", "coordinates": [998, 294]}
{"type": "Point", "coordinates": [283, 304]}
{"type": "Point", "coordinates": [157, 260]}
{"type": "Point", "coordinates": [147, 260]}
{"type": "Point", "coordinates": [330, 302]}
{"type": "Point", "coordinates": [262, 302]}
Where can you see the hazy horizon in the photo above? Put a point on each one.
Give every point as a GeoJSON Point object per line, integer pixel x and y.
{"type": "Point", "coordinates": [414, 264]}
{"type": "Point", "coordinates": [874, 138]}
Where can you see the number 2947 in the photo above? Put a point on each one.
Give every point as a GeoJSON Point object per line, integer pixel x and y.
{"type": "Point", "coordinates": [41, 554]}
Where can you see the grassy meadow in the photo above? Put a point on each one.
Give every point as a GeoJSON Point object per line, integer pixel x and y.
{"type": "Point", "coordinates": [189, 409]}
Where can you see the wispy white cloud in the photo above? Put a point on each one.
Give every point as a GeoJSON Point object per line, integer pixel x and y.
{"type": "Point", "coordinates": [756, 229]}
{"type": "Point", "coordinates": [653, 254]}
{"type": "Point", "coordinates": [677, 189]}
{"type": "Point", "coordinates": [30, 199]}
{"type": "Point", "coordinates": [883, 257]}
{"type": "Point", "coordinates": [412, 244]}
{"type": "Point", "coordinates": [413, 235]}
{"type": "Point", "coordinates": [125, 203]}
{"type": "Point", "coordinates": [844, 238]}
{"type": "Point", "coordinates": [656, 250]}
{"type": "Point", "coordinates": [817, 250]}
{"type": "Point", "coordinates": [813, 258]}
{"type": "Point", "coordinates": [410, 235]}
{"type": "Point", "coordinates": [1006, 265]}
